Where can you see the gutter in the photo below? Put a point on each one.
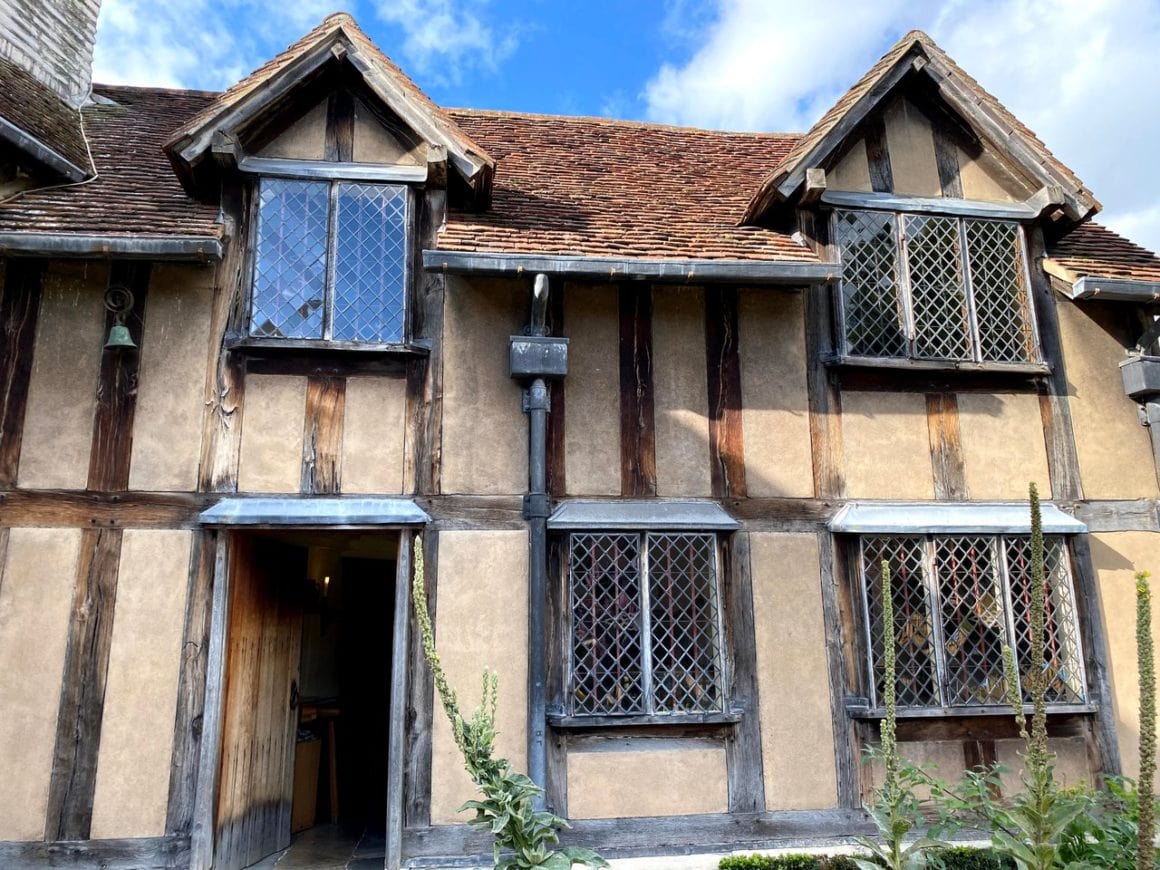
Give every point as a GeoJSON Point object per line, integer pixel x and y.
{"type": "Point", "coordinates": [40, 152]}
{"type": "Point", "coordinates": [1114, 289]}
{"type": "Point", "coordinates": [200, 248]}
{"type": "Point", "coordinates": [771, 272]}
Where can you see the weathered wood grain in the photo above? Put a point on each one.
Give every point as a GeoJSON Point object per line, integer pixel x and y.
{"type": "Point", "coordinates": [117, 385]}
{"type": "Point", "coordinates": [946, 448]}
{"type": "Point", "coordinates": [946, 158]}
{"type": "Point", "coordinates": [845, 757]}
{"type": "Point", "coordinates": [878, 155]}
{"type": "Point", "coordinates": [340, 126]}
{"type": "Point", "coordinates": [556, 396]}
{"type": "Point", "coordinates": [723, 369]}
{"type": "Point", "coordinates": [191, 684]}
{"type": "Point", "coordinates": [145, 853]}
{"type": "Point", "coordinates": [322, 436]}
{"type": "Point", "coordinates": [555, 689]}
{"type": "Point", "coordinates": [638, 448]}
{"type": "Point", "coordinates": [19, 312]}
{"type": "Point", "coordinates": [82, 695]}
{"type": "Point", "coordinates": [420, 707]}
{"type": "Point", "coordinates": [825, 399]}
{"type": "Point", "coordinates": [746, 779]}
{"type": "Point", "coordinates": [400, 688]}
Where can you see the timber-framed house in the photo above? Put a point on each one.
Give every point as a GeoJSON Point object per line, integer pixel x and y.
{"type": "Point", "coordinates": [657, 401]}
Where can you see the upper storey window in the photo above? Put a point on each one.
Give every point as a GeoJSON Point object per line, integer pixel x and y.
{"type": "Point", "coordinates": [927, 287]}
{"type": "Point", "coordinates": [330, 261]}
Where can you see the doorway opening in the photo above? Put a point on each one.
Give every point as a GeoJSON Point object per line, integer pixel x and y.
{"type": "Point", "coordinates": [306, 708]}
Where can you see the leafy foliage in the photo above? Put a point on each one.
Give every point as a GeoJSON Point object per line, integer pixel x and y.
{"type": "Point", "coordinates": [523, 836]}
{"type": "Point", "coordinates": [786, 862]}
{"type": "Point", "coordinates": [1146, 804]}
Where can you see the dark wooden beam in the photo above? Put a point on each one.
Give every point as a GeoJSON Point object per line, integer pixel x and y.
{"type": "Point", "coordinates": [322, 436]}
{"type": "Point", "coordinates": [825, 399]}
{"type": "Point", "coordinates": [145, 853]}
{"type": "Point", "coordinates": [187, 726]}
{"type": "Point", "coordinates": [946, 158]}
{"type": "Point", "coordinates": [340, 126]}
{"type": "Point", "coordinates": [82, 695]}
{"type": "Point", "coordinates": [946, 449]}
{"type": "Point", "coordinates": [116, 407]}
{"type": "Point", "coordinates": [84, 509]}
{"type": "Point", "coordinates": [19, 312]}
{"type": "Point", "coordinates": [846, 761]}
{"type": "Point", "coordinates": [746, 779]}
{"type": "Point", "coordinates": [420, 707]}
{"type": "Point", "coordinates": [726, 441]}
{"type": "Point", "coordinates": [638, 459]}
{"type": "Point", "coordinates": [557, 436]}
{"type": "Point", "coordinates": [878, 155]}
{"type": "Point", "coordinates": [400, 689]}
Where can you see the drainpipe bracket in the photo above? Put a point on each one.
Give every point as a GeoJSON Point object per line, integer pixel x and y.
{"type": "Point", "coordinates": [537, 505]}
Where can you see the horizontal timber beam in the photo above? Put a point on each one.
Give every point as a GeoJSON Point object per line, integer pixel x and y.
{"type": "Point", "coordinates": [1016, 211]}
{"type": "Point", "coordinates": [144, 853]}
{"type": "Point", "coordinates": [180, 248]}
{"type": "Point", "coordinates": [756, 272]}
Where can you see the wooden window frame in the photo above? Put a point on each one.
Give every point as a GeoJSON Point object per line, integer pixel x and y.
{"type": "Point", "coordinates": [646, 713]}
{"type": "Point", "coordinates": [935, 592]}
{"type": "Point", "coordinates": [902, 279]}
{"type": "Point", "coordinates": [326, 342]}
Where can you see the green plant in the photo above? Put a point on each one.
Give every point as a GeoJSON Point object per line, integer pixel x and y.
{"type": "Point", "coordinates": [1146, 827]}
{"type": "Point", "coordinates": [1032, 827]}
{"type": "Point", "coordinates": [786, 862]}
{"type": "Point", "coordinates": [897, 809]}
{"type": "Point", "coordinates": [970, 858]}
{"type": "Point", "coordinates": [523, 836]}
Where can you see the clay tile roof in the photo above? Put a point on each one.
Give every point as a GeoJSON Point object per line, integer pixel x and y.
{"type": "Point", "coordinates": [594, 187]}
{"type": "Point", "coordinates": [1094, 250]}
{"type": "Point", "coordinates": [863, 88]}
{"type": "Point", "coordinates": [135, 191]}
{"type": "Point", "coordinates": [35, 108]}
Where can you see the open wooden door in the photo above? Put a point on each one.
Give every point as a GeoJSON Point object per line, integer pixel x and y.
{"type": "Point", "coordinates": [260, 715]}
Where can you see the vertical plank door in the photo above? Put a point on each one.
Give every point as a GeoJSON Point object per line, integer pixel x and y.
{"type": "Point", "coordinates": [260, 718]}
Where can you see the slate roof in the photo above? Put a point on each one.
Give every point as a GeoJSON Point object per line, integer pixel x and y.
{"type": "Point", "coordinates": [33, 107]}
{"type": "Point", "coordinates": [563, 185]}
{"type": "Point", "coordinates": [135, 191]}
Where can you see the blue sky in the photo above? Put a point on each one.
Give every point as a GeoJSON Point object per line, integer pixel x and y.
{"type": "Point", "coordinates": [1084, 74]}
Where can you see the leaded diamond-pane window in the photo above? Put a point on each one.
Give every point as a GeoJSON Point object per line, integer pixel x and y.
{"type": "Point", "coordinates": [330, 261]}
{"type": "Point", "coordinates": [934, 288]}
{"type": "Point", "coordinates": [957, 601]}
{"type": "Point", "coordinates": [645, 624]}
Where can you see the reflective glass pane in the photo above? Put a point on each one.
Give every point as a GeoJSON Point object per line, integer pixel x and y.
{"type": "Point", "coordinates": [290, 259]}
{"type": "Point", "coordinates": [370, 262]}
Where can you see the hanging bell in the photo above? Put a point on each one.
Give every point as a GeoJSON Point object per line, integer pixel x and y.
{"type": "Point", "coordinates": [119, 337]}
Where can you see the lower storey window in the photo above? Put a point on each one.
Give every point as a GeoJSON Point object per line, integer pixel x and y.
{"type": "Point", "coordinates": [645, 624]}
{"type": "Point", "coordinates": [957, 601]}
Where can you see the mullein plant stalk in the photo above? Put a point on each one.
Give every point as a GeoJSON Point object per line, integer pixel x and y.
{"type": "Point", "coordinates": [522, 836]}
{"type": "Point", "coordinates": [1145, 845]}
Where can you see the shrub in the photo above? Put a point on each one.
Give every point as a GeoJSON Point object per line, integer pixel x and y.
{"type": "Point", "coordinates": [969, 858]}
{"type": "Point", "coordinates": [787, 862]}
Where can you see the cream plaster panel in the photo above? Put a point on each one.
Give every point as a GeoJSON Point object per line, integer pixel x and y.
{"type": "Point", "coordinates": [374, 143]}
{"type": "Point", "coordinates": [62, 393]}
{"type": "Point", "coordinates": [304, 140]}
{"type": "Point", "coordinates": [485, 433]}
{"type": "Point", "coordinates": [272, 424]}
{"type": "Point", "coordinates": [1117, 557]}
{"type": "Point", "coordinates": [132, 788]}
{"type": "Point", "coordinates": [1071, 762]}
{"type": "Point", "coordinates": [942, 758]}
{"type": "Point", "coordinates": [980, 183]}
{"type": "Point", "coordinates": [775, 416]}
{"type": "Point", "coordinates": [681, 392]}
{"type": "Point", "coordinates": [171, 380]}
{"type": "Point", "coordinates": [887, 445]}
{"type": "Point", "coordinates": [1115, 455]}
{"type": "Point", "coordinates": [592, 409]}
{"type": "Point", "coordinates": [792, 673]}
{"type": "Point", "coordinates": [373, 428]}
{"type": "Point", "coordinates": [852, 172]}
{"type": "Point", "coordinates": [620, 783]}
{"type": "Point", "coordinates": [1003, 446]}
{"type": "Point", "coordinates": [910, 142]}
{"type": "Point", "coordinates": [480, 622]}
{"type": "Point", "coordinates": [36, 592]}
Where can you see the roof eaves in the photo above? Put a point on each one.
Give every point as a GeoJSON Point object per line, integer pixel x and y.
{"type": "Point", "coordinates": [40, 152]}
{"type": "Point", "coordinates": [181, 248]}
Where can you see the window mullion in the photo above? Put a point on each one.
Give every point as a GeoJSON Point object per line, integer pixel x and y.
{"type": "Point", "coordinates": [969, 293]}
{"type": "Point", "coordinates": [904, 299]}
{"type": "Point", "coordinates": [1081, 663]}
{"type": "Point", "coordinates": [724, 673]}
{"type": "Point", "coordinates": [934, 610]}
{"type": "Point", "coordinates": [871, 675]}
{"type": "Point", "coordinates": [331, 263]}
{"type": "Point", "coordinates": [1008, 609]}
{"type": "Point", "coordinates": [646, 626]}
{"type": "Point", "coordinates": [1029, 291]}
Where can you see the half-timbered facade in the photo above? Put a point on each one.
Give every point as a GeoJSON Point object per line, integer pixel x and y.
{"type": "Point", "coordinates": [657, 401]}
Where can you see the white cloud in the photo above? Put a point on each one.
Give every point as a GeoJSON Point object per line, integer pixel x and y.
{"type": "Point", "coordinates": [1084, 75]}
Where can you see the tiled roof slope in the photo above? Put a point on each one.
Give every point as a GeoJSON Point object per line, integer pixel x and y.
{"type": "Point", "coordinates": [573, 186]}
{"type": "Point", "coordinates": [34, 107]}
{"type": "Point", "coordinates": [866, 84]}
{"type": "Point", "coordinates": [1092, 249]}
{"type": "Point", "coordinates": [135, 191]}
{"type": "Point", "coordinates": [593, 187]}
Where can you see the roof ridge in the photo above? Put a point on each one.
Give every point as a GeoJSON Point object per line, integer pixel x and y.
{"type": "Point", "coordinates": [625, 122]}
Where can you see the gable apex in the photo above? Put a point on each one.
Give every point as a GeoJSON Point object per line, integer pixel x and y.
{"type": "Point", "coordinates": [337, 40]}
{"type": "Point", "coordinates": [916, 58]}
